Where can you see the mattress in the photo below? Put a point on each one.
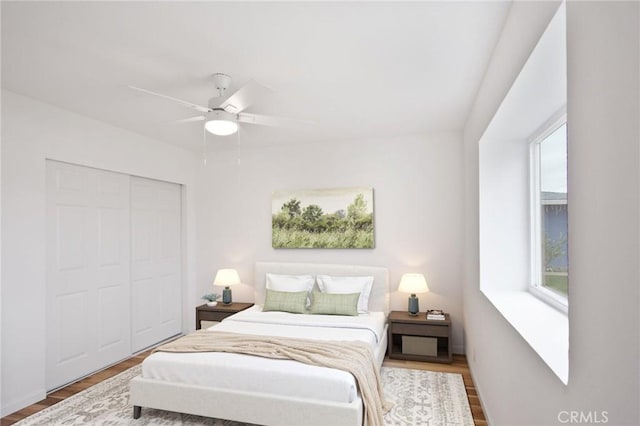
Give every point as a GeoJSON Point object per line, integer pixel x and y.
{"type": "Point", "coordinates": [278, 377]}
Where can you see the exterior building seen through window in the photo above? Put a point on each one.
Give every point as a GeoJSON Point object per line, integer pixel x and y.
{"type": "Point", "coordinates": [550, 219]}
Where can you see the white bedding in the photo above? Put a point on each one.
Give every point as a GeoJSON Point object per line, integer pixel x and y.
{"type": "Point", "coordinates": [278, 377]}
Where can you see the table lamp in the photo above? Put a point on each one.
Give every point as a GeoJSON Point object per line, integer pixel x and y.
{"type": "Point", "coordinates": [226, 278]}
{"type": "Point", "coordinates": [413, 283]}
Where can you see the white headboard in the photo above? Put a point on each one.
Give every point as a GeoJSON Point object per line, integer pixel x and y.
{"type": "Point", "coordinates": [378, 300]}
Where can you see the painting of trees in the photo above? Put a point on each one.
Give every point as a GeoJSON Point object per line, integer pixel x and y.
{"type": "Point", "coordinates": [323, 218]}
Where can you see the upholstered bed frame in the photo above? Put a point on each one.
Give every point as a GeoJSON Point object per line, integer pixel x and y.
{"type": "Point", "coordinates": [259, 408]}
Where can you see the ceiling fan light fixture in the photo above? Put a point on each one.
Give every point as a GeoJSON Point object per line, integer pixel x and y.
{"type": "Point", "coordinates": [221, 123]}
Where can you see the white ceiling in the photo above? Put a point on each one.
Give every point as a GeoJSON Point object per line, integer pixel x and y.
{"type": "Point", "coordinates": [358, 70]}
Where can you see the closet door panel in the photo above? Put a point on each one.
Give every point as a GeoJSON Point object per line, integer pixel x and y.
{"type": "Point", "coordinates": [111, 332]}
{"type": "Point", "coordinates": [109, 239]}
{"type": "Point", "coordinates": [88, 271]}
{"type": "Point", "coordinates": [170, 310]}
{"type": "Point", "coordinates": [156, 261]}
{"type": "Point", "coordinates": [144, 300]}
{"type": "Point", "coordinates": [69, 233]}
{"type": "Point", "coordinates": [71, 228]}
{"type": "Point", "coordinates": [144, 296]}
{"type": "Point", "coordinates": [72, 331]}
{"type": "Point", "coordinates": [112, 267]}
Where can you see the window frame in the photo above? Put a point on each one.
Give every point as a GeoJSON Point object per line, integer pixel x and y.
{"type": "Point", "coordinates": [536, 286]}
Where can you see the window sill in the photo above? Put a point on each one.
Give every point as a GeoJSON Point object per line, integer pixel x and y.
{"type": "Point", "coordinates": [544, 328]}
{"type": "Point", "coordinates": [547, 296]}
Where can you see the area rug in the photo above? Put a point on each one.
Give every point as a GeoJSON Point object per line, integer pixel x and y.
{"type": "Point", "coordinates": [420, 398]}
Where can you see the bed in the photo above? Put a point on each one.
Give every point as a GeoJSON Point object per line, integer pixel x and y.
{"type": "Point", "coordinates": [266, 391]}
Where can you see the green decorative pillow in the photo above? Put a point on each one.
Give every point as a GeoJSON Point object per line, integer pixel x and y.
{"type": "Point", "coordinates": [335, 304]}
{"type": "Point", "coordinates": [286, 301]}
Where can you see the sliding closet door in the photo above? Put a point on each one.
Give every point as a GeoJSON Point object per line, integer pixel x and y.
{"type": "Point", "coordinates": [156, 258]}
{"type": "Point", "coordinates": [88, 271]}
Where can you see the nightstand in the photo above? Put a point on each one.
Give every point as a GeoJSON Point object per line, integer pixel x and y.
{"type": "Point", "coordinates": [418, 339]}
{"type": "Point", "coordinates": [218, 312]}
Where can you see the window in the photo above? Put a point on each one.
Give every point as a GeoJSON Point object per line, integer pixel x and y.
{"type": "Point", "coordinates": [522, 202]}
{"type": "Point", "coordinates": [549, 219]}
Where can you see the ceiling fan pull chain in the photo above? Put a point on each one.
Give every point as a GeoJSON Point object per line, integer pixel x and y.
{"type": "Point", "coordinates": [204, 146]}
{"type": "Point", "coordinates": [238, 147]}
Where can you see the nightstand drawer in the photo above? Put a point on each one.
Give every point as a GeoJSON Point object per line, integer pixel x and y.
{"type": "Point", "coordinates": [420, 330]}
{"type": "Point", "coordinates": [219, 312]}
{"type": "Point", "coordinates": [213, 316]}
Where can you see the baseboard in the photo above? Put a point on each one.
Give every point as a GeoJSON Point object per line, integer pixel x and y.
{"type": "Point", "coordinates": [487, 416]}
{"type": "Point", "coordinates": [21, 403]}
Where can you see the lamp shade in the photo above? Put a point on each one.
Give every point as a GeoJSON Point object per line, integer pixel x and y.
{"type": "Point", "coordinates": [226, 277]}
{"type": "Point", "coordinates": [413, 283]}
{"type": "Point", "coordinates": [221, 123]}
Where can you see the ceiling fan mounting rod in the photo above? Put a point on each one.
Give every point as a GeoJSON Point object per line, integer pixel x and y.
{"type": "Point", "coordinates": [222, 82]}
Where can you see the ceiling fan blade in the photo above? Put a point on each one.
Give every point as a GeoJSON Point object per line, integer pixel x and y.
{"type": "Point", "coordinates": [271, 120]}
{"type": "Point", "coordinates": [180, 101]}
{"type": "Point", "coordinates": [190, 119]}
{"type": "Point", "coordinates": [247, 95]}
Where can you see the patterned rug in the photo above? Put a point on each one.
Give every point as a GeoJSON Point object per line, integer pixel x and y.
{"type": "Point", "coordinates": [420, 397]}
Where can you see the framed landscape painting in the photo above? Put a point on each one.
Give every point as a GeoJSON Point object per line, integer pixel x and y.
{"type": "Point", "coordinates": [323, 218]}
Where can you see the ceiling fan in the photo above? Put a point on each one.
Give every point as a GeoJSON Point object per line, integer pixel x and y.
{"type": "Point", "coordinates": [222, 116]}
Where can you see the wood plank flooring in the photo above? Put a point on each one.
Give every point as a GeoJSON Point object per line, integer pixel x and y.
{"type": "Point", "coordinates": [459, 366]}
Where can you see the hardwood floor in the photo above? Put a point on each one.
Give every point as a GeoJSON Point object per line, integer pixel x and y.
{"type": "Point", "coordinates": [459, 366]}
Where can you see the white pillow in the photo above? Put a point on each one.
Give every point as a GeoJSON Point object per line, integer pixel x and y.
{"type": "Point", "coordinates": [345, 285]}
{"type": "Point", "coordinates": [290, 283]}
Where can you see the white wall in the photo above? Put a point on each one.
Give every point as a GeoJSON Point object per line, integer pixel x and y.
{"type": "Point", "coordinates": [417, 185]}
{"type": "Point", "coordinates": [504, 219]}
{"type": "Point", "coordinates": [515, 386]}
{"type": "Point", "coordinates": [0, 236]}
{"type": "Point", "coordinates": [32, 132]}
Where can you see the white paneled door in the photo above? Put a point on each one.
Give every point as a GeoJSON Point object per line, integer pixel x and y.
{"type": "Point", "coordinates": [113, 268]}
{"type": "Point", "coordinates": [155, 261]}
{"type": "Point", "coordinates": [88, 275]}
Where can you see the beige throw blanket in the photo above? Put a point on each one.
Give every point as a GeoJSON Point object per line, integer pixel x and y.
{"type": "Point", "coordinates": [353, 357]}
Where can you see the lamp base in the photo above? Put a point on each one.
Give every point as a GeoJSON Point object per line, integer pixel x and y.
{"type": "Point", "coordinates": [414, 306]}
{"type": "Point", "coordinates": [226, 296]}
